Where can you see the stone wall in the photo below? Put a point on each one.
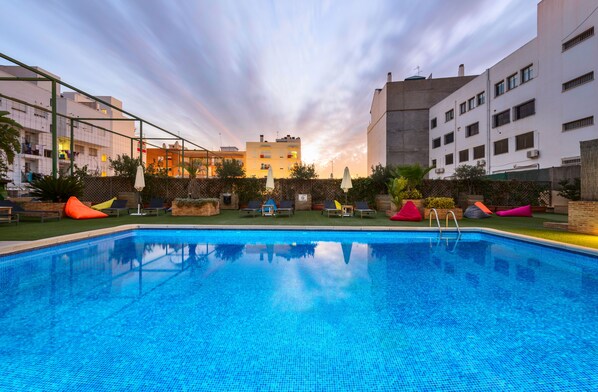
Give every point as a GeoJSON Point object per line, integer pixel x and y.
{"type": "Point", "coordinates": [589, 170]}
{"type": "Point", "coordinates": [583, 217]}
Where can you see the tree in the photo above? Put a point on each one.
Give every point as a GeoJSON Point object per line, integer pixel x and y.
{"type": "Point", "coordinates": [396, 186]}
{"type": "Point", "coordinates": [414, 174]}
{"type": "Point", "coordinates": [302, 171]}
{"type": "Point", "coordinates": [193, 167]}
{"type": "Point", "coordinates": [570, 191]}
{"type": "Point", "coordinates": [229, 169]}
{"type": "Point", "coordinates": [381, 176]}
{"type": "Point", "coordinates": [10, 140]}
{"type": "Point", "coordinates": [470, 176]}
{"type": "Point", "coordinates": [124, 166]}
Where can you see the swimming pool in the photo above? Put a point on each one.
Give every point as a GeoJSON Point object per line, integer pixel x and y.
{"type": "Point", "coordinates": [293, 310]}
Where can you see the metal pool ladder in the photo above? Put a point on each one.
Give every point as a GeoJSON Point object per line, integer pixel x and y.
{"type": "Point", "coordinates": [435, 213]}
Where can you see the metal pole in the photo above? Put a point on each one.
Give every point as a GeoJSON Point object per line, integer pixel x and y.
{"type": "Point", "coordinates": [132, 147]}
{"type": "Point", "coordinates": [207, 164]}
{"type": "Point", "coordinates": [54, 131]}
{"type": "Point", "coordinates": [141, 142]}
{"type": "Point", "coordinates": [166, 160]}
{"type": "Point", "coordinates": [183, 158]}
{"type": "Point", "coordinates": [72, 147]}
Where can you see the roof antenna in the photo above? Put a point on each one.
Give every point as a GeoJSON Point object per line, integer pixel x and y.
{"type": "Point", "coordinates": [418, 70]}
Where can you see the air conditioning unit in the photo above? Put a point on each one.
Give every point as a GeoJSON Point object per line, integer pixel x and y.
{"type": "Point", "coordinates": [440, 170]}
{"type": "Point", "coordinates": [533, 154]}
{"type": "Point", "coordinates": [482, 162]}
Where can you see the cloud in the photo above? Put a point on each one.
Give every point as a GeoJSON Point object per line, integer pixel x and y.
{"type": "Point", "coordinates": [240, 69]}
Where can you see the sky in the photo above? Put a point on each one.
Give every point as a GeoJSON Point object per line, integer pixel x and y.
{"type": "Point", "coordinates": [222, 72]}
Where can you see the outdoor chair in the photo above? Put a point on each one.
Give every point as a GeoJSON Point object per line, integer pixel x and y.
{"type": "Point", "coordinates": [253, 209]}
{"type": "Point", "coordinates": [117, 207]}
{"type": "Point", "coordinates": [155, 206]}
{"type": "Point", "coordinates": [19, 212]}
{"type": "Point", "coordinates": [285, 208]}
{"type": "Point", "coordinates": [362, 208]}
{"type": "Point", "coordinates": [330, 209]}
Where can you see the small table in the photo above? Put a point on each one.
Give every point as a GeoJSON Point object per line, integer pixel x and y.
{"type": "Point", "coordinates": [267, 210]}
{"type": "Point", "coordinates": [6, 214]}
{"type": "Point", "coordinates": [347, 210]}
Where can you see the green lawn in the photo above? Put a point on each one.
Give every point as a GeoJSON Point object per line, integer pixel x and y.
{"type": "Point", "coordinates": [31, 230]}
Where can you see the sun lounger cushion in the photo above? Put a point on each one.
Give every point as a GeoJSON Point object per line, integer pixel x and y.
{"type": "Point", "coordinates": [474, 212]}
{"type": "Point", "coordinates": [409, 213]}
{"type": "Point", "coordinates": [525, 211]}
{"type": "Point", "coordinates": [105, 204]}
{"type": "Point", "coordinates": [77, 210]}
{"type": "Point", "coordinates": [337, 205]}
{"type": "Point", "coordinates": [482, 207]}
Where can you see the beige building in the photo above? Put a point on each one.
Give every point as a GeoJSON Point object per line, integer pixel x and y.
{"type": "Point", "coordinates": [281, 155]}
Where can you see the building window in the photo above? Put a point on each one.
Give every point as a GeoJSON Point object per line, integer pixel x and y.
{"type": "Point", "coordinates": [448, 116]}
{"type": "Point", "coordinates": [433, 123]}
{"type": "Point", "coordinates": [471, 103]}
{"type": "Point", "coordinates": [436, 143]}
{"type": "Point", "coordinates": [479, 152]}
{"type": "Point", "coordinates": [40, 113]}
{"type": "Point", "coordinates": [512, 81]}
{"type": "Point", "coordinates": [19, 107]}
{"type": "Point", "coordinates": [265, 166]}
{"type": "Point", "coordinates": [433, 162]}
{"type": "Point", "coordinates": [79, 149]}
{"type": "Point", "coordinates": [93, 152]}
{"type": "Point", "coordinates": [462, 107]}
{"type": "Point", "coordinates": [448, 159]}
{"type": "Point", "coordinates": [481, 98]}
{"type": "Point", "coordinates": [501, 118]}
{"type": "Point", "coordinates": [449, 138]}
{"type": "Point", "coordinates": [524, 110]}
{"type": "Point", "coordinates": [583, 122]}
{"type": "Point", "coordinates": [527, 74]}
{"type": "Point", "coordinates": [472, 129]}
{"type": "Point", "coordinates": [583, 79]}
{"type": "Point", "coordinates": [463, 156]}
{"type": "Point", "coordinates": [501, 146]}
{"type": "Point", "coordinates": [524, 141]}
{"type": "Point", "coordinates": [499, 88]}
{"type": "Point", "coordinates": [578, 39]}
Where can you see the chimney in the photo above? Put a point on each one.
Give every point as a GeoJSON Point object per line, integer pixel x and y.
{"type": "Point", "coordinates": [389, 77]}
{"type": "Point", "coordinates": [461, 70]}
{"type": "Point", "coordinates": [261, 138]}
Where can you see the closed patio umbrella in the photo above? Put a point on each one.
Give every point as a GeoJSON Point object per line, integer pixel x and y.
{"type": "Point", "coordinates": [139, 185]}
{"type": "Point", "coordinates": [346, 183]}
{"type": "Point", "coordinates": [270, 180]}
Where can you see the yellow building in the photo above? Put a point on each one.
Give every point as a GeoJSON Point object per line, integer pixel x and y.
{"type": "Point", "coordinates": [281, 155]}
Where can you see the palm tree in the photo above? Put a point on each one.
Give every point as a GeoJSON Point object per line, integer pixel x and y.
{"type": "Point", "coordinates": [193, 167]}
{"type": "Point", "coordinates": [413, 173]}
{"type": "Point", "coordinates": [10, 140]}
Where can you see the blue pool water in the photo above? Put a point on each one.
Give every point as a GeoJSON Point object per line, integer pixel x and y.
{"type": "Point", "coordinates": [289, 310]}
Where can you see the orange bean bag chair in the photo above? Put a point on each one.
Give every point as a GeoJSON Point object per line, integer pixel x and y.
{"type": "Point", "coordinates": [408, 213]}
{"type": "Point", "coordinates": [77, 210]}
{"type": "Point", "coordinates": [482, 207]}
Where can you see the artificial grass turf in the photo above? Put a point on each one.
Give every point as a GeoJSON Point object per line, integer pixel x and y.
{"type": "Point", "coordinates": [32, 230]}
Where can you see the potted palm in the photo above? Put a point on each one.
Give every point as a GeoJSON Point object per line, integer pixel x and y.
{"type": "Point", "coordinates": [414, 174]}
{"type": "Point", "coordinates": [396, 187]}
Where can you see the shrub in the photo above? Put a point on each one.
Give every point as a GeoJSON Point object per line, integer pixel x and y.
{"type": "Point", "coordinates": [571, 191]}
{"type": "Point", "coordinates": [411, 194]}
{"type": "Point", "coordinates": [56, 189]}
{"type": "Point", "coordinates": [395, 190]}
{"type": "Point", "coordinates": [186, 202]}
{"type": "Point", "coordinates": [439, 202]}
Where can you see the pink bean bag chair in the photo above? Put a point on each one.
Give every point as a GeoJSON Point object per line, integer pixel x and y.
{"type": "Point", "coordinates": [77, 210]}
{"type": "Point", "coordinates": [525, 211]}
{"type": "Point", "coordinates": [409, 213]}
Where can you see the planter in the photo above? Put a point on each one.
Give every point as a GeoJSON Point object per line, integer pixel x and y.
{"type": "Point", "coordinates": [303, 202]}
{"type": "Point", "coordinates": [229, 201]}
{"type": "Point", "coordinates": [383, 202]}
{"type": "Point", "coordinates": [317, 206]}
{"type": "Point", "coordinates": [466, 200]}
{"type": "Point", "coordinates": [48, 206]}
{"type": "Point", "coordinates": [442, 213]}
{"type": "Point", "coordinates": [195, 207]}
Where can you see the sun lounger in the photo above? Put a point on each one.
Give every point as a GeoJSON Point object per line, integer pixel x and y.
{"type": "Point", "coordinates": [155, 206]}
{"type": "Point", "coordinates": [253, 208]}
{"type": "Point", "coordinates": [330, 209]}
{"type": "Point", "coordinates": [285, 208]}
{"type": "Point", "coordinates": [362, 208]}
{"type": "Point", "coordinates": [117, 207]}
{"type": "Point", "coordinates": [20, 212]}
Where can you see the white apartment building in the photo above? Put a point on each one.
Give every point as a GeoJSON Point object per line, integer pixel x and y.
{"type": "Point", "coordinates": [92, 146]}
{"type": "Point", "coordinates": [530, 110]}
